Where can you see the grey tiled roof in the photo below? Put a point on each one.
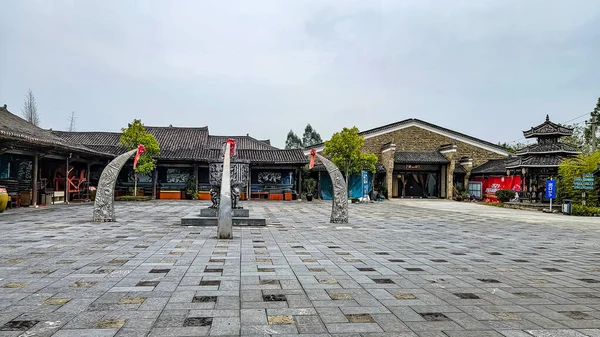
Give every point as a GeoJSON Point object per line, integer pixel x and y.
{"type": "Point", "coordinates": [177, 143]}
{"type": "Point", "coordinates": [14, 128]}
{"type": "Point", "coordinates": [547, 148]}
{"type": "Point", "coordinates": [495, 166]}
{"type": "Point", "coordinates": [242, 143]}
{"type": "Point", "coordinates": [535, 161]}
{"type": "Point", "coordinates": [420, 158]}
{"type": "Point", "coordinates": [548, 128]}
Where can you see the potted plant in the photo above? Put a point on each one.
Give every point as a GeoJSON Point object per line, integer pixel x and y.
{"type": "Point", "coordinates": [310, 184]}
{"type": "Point", "coordinates": [191, 189]}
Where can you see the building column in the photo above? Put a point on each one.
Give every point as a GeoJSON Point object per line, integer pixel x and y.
{"type": "Point", "coordinates": [300, 184]}
{"type": "Point", "coordinates": [319, 186]}
{"type": "Point", "coordinates": [449, 151]}
{"type": "Point", "coordinates": [467, 164]}
{"type": "Point", "coordinates": [154, 180]}
{"type": "Point", "coordinates": [34, 189]}
{"type": "Point", "coordinates": [388, 152]}
{"type": "Point", "coordinates": [67, 180]}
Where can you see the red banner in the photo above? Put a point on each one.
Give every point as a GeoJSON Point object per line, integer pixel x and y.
{"type": "Point", "coordinates": [490, 185]}
{"type": "Point", "coordinates": [140, 150]}
{"type": "Point", "coordinates": [312, 158]}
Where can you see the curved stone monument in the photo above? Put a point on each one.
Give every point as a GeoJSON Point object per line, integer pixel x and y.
{"type": "Point", "coordinates": [339, 210]}
{"type": "Point", "coordinates": [104, 208]}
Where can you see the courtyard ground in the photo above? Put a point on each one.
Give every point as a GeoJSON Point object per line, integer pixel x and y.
{"type": "Point", "coordinates": [400, 268]}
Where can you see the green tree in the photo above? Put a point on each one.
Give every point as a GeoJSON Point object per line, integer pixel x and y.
{"type": "Point", "coordinates": [310, 137]}
{"type": "Point", "coordinates": [578, 139]}
{"type": "Point", "coordinates": [344, 150]}
{"type": "Point", "coordinates": [132, 136]}
{"type": "Point", "coordinates": [293, 141]}
{"type": "Point", "coordinates": [512, 147]}
{"type": "Point", "coordinates": [576, 167]}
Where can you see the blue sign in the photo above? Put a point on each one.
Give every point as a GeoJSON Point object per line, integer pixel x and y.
{"type": "Point", "coordinates": [550, 189]}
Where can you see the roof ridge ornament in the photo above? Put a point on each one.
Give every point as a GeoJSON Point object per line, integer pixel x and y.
{"type": "Point", "coordinates": [547, 118]}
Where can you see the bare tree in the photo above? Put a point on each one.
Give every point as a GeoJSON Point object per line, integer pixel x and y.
{"type": "Point", "coordinates": [72, 122]}
{"type": "Point", "coordinates": [30, 111]}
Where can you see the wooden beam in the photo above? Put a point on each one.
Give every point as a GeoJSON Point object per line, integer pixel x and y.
{"type": "Point", "coordinates": [34, 189]}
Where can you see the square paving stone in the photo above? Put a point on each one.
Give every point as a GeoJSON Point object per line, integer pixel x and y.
{"type": "Point", "coordinates": [274, 298]}
{"type": "Point", "coordinates": [160, 271]}
{"type": "Point", "coordinates": [269, 282]}
{"type": "Point", "coordinates": [121, 262]}
{"type": "Point", "coordinates": [466, 296]}
{"type": "Point", "coordinates": [328, 281]}
{"type": "Point", "coordinates": [495, 253]}
{"type": "Point", "coordinates": [413, 269]}
{"type": "Point", "coordinates": [209, 283]}
{"type": "Point", "coordinates": [216, 260]}
{"type": "Point", "coordinates": [18, 325]}
{"type": "Point", "coordinates": [102, 271]}
{"type": "Point", "coordinates": [585, 295]}
{"type": "Point", "coordinates": [110, 324]}
{"type": "Point", "coordinates": [147, 283]}
{"type": "Point", "coordinates": [132, 300]}
{"type": "Point", "coordinates": [353, 260]}
{"type": "Point", "coordinates": [365, 269]}
{"type": "Point", "coordinates": [197, 321]}
{"type": "Point", "coordinates": [520, 260]}
{"type": "Point", "coordinates": [14, 285]}
{"type": "Point", "coordinates": [405, 296]}
{"type": "Point", "coordinates": [383, 281]}
{"type": "Point", "coordinates": [340, 297]}
{"type": "Point", "coordinates": [140, 246]}
{"type": "Point", "coordinates": [333, 247]}
{"type": "Point", "coordinates": [298, 247]}
{"type": "Point", "coordinates": [280, 320]}
{"type": "Point", "coordinates": [488, 280]}
{"type": "Point", "coordinates": [360, 318]}
{"type": "Point", "coordinates": [57, 301]}
{"type": "Point", "coordinates": [266, 270]}
{"type": "Point", "coordinates": [204, 299]}
{"type": "Point", "coordinates": [317, 270]}
{"type": "Point", "coordinates": [263, 260]}
{"type": "Point", "coordinates": [589, 280]}
{"type": "Point", "coordinates": [396, 260]}
{"type": "Point", "coordinates": [382, 253]}
{"type": "Point", "coordinates": [554, 270]}
{"type": "Point", "coordinates": [434, 317]}
{"type": "Point", "coordinates": [309, 260]}
{"type": "Point", "coordinates": [83, 284]}
{"type": "Point", "coordinates": [439, 260]}
{"type": "Point", "coordinates": [213, 270]}
{"type": "Point", "coordinates": [527, 295]}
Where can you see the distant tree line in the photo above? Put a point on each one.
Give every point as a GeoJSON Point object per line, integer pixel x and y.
{"type": "Point", "coordinates": [309, 138]}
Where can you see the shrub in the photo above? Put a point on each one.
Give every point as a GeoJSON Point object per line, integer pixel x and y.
{"type": "Point", "coordinates": [579, 210]}
{"type": "Point", "coordinates": [505, 195]}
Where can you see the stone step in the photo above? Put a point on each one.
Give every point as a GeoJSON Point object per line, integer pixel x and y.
{"type": "Point", "coordinates": [196, 220]}
{"type": "Point", "coordinates": [214, 212]}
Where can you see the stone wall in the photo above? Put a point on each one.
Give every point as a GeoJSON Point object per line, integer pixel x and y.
{"type": "Point", "coordinates": [415, 139]}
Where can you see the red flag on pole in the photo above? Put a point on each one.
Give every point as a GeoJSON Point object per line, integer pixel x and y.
{"type": "Point", "coordinates": [312, 158]}
{"type": "Point", "coordinates": [140, 150]}
{"type": "Point", "coordinates": [232, 150]}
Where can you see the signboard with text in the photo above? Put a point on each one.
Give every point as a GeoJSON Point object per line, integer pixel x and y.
{"type": "Point", "coordinates": [550, 189]}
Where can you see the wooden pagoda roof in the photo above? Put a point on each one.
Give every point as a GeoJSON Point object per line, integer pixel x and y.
{"type": "Point", "coordinates": [548, 129]}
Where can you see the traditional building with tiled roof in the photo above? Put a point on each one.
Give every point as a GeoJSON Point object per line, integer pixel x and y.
{"type": "Point", "coordinates": [185, 153]}
{"type": "Point", "coordinates": [424, 160]}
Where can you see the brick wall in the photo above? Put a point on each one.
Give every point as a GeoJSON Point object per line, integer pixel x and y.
{"type": "Point", "coordinates": [415, 139]}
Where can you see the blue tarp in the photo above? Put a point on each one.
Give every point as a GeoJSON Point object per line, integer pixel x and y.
{"type": "Point", "coordinates": [355, 186]}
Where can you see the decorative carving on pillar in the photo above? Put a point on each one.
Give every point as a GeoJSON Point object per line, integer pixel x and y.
{"type": "Point", "coordinates": [339, 210]}
{"type": "Point", "coordinates": [104, 208]}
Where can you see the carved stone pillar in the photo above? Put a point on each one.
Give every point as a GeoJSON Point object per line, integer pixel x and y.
{"type": "Point", "coordinates": [467, 164]}
{"type": "Point", "coordinates": [449, 151]}
{"type": "Point", "coordinates": [388, 151]}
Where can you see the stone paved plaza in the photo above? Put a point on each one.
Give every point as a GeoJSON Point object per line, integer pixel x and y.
{"type": "Point", "coordinates": [400, 268]}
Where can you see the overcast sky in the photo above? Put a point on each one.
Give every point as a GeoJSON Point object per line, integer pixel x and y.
{"type": "Point", "coordinates": [486, 68]}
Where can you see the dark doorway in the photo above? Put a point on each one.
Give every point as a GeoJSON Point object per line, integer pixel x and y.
{"type": "Point", "coordinates": [413, 188]}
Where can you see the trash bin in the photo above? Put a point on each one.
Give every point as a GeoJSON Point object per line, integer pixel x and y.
{"type": "Point", "coordinates": [567, 206]}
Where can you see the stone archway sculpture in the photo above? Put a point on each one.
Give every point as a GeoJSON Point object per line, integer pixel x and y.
{"type": "Point", "coordinates": [104, 207]}
{"type": "Point", "coordinates": [339, 210]}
